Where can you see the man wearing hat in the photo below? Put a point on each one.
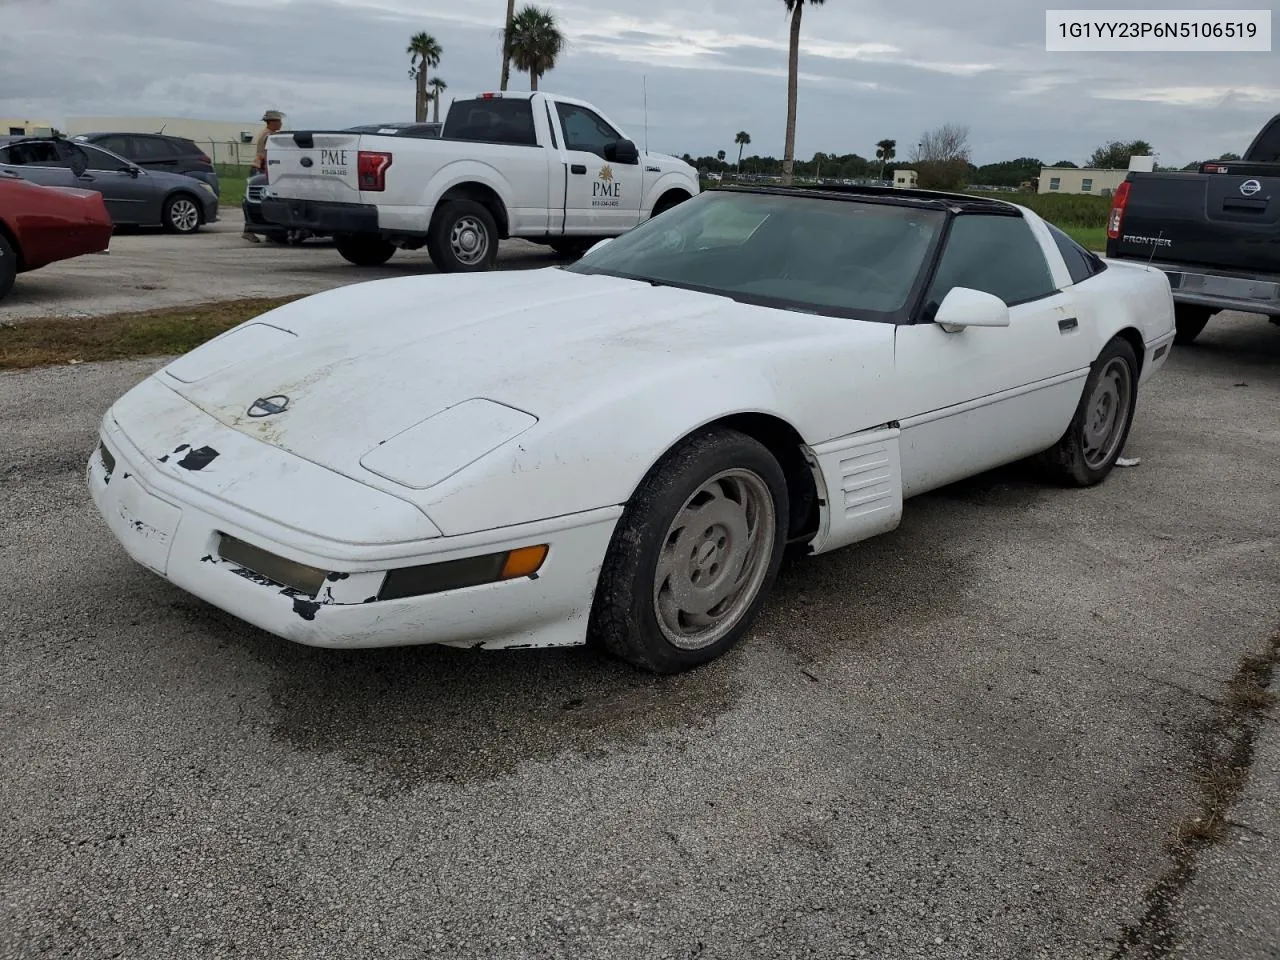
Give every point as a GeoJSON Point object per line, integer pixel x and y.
{"type": "Point", "coordinates": [272, 121]}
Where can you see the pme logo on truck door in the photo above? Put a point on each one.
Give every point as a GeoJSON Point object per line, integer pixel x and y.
{"type": "Point", "coordinates": [605, 191]}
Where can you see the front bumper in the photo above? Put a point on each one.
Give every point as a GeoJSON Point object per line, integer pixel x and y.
{"type": "Point", "coordinates": [320, 216]}
{"type": "Point", "coordinates": [174, 525]}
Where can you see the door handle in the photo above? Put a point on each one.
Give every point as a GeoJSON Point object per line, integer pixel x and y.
{"type": "Point", "coordinates": [578, 168]}
{"type": "Point", "coordinates": [1070, 323]}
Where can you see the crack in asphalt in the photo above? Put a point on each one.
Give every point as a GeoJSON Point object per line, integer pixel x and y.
{"type": "Point", "coordinates": [1225, 754]}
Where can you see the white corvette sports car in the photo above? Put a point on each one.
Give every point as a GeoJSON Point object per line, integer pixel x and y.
{"type": "Point", "coordinates": [621, 449]}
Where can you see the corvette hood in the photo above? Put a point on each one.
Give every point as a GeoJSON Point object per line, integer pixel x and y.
{"type": "Point", "coordinates": [361, 364]}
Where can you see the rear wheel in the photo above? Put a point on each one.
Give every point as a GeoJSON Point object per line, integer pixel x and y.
{"type": "Point", "coordinates": [463, 238]}
{"type": "Point", "coordinates": [364, 250]}
{"type": "Point", "coordinates": [1092, 444]}
{"type": "Point", "coordinates": [571, 248]}
{"type": "Point", "coordinates": [8, 266]}
{"type": "Point", "coordinates": [181, 214]}
{"type": "Point", "coordinates": [1188, 321]}
{"type": "Point", "coordinates": [694, 554]}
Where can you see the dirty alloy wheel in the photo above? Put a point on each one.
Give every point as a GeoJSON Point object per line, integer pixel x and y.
{"type": "Point", "coordinates": [1096, 437]}
{"type": "Point", "coordinates": [181, 214]}
{"type": "Point", "coordinates": [694, 554]}
{"type": "Point", "coordinates": [364, 249]}
{"type": "Point", "coordinates": [463, 238]}
{"type": "Point", "coordinates": [8, 266]}
{"type": "Point", "coordinates": [1189, 320]}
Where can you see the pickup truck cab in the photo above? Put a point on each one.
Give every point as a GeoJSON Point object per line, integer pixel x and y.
{"type": "Point", "coordinates": [540, 167]}
{"type": "Point", "coordinates": [1215, 233]}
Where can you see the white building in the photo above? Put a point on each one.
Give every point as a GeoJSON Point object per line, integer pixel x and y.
{"type": "Point", "coordinates": [1080, 180]}
{"type": "Point", "coordinates": [224, 142]}
{"type": "Point", "coordinates": [906, 179]}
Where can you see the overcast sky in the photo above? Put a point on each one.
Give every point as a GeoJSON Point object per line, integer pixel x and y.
{"type": "Point", "coordinates": [869, 70]}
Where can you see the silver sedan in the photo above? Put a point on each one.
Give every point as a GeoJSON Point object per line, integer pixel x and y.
{"type": "Point", "coordinates": [134, 197]}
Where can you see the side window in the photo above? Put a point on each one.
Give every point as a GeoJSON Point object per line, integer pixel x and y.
{"type": "Point", "coordinates": [35, 153]}
{"type": "Point", "coordinates": [995, 254]}
{"type": "Point", "coordinates": [117, 144]}
{"type": "Point", "coordinates": [584, 130]}
{"type": "Point", "coordinates": [100, 159]}
{"type": "Point", "coordinates": [1081, 264]}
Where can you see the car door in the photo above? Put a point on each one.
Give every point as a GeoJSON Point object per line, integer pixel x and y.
{"type": "Point", "coordinates": [131, 197]}
{"type": "Point", "coordinates": [602, 197]}
{"type": "Point", "coordinates": [983, 396]}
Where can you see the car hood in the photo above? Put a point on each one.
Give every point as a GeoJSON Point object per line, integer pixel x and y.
{"type": "Point", "coordinates": [357, 366]}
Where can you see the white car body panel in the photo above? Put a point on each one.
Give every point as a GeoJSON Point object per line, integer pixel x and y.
{"type": "Point", "coordinates": [540, 193]}
{"type": "Point", "coordinates": [440, 417]}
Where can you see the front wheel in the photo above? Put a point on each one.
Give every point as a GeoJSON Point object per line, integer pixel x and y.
{"type": "Point", "coordinates": [364, 250]}
{"type": "Point", "coordinates": [694, 554]}
{"type": "Point", "coordinates": [1089, 449]}
{"type": "Point", "coordinates": [463, 238]}
{"type": "Point", "coordinates": [1189, 320]}
{"type": "Point", "coordinates": [181, 214]}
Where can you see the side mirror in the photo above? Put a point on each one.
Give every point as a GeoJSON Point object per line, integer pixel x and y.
{"type": "Point", "coordinates": [622, 151]}
{"type": "Point", "coordinates": [131, 171]}
{"type": "Point", "coordinates": [75, 158]}
{"type": "Point", "coordinates": [963, 307]}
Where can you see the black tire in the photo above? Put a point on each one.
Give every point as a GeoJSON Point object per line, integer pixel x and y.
{"type": "Point", "coordinates": [364, 249]}
{"type": "Point", "coordinates": [571, 248]}
{"type": "Point", "coordinates": [1068, 460]}
{"type": "Point", "coordinates": [1189, 320]}
{"type": "Point", "coordinates": [8, 266]}
{"type": "Point", "coordinates": [181, 214]}
{"type": "Point", "coordinates": [624, 615]}
{"type": "Point", "coordinates": [468, 218]}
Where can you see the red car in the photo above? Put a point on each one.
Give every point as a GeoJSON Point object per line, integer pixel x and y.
{"type": "Point", "coordinates": [39, 225]}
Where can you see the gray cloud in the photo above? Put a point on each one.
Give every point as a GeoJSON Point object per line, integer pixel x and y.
{"type": "Point", "coordinates": [868, 71]}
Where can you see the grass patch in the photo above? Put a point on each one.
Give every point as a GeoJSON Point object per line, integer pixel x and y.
{"type": "Point", "coordinates": [1091, 238]}
{"type": "Point", "coordinates": [232, 187]}
{"type": "Point", "coordinates": [147, 333]}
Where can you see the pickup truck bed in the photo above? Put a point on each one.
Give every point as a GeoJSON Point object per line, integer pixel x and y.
{"type": "Point", "coordinates": [1215, 233]}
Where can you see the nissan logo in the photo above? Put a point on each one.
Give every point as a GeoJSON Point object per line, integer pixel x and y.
{"type": "Point", "coordinates": [1250, 187]}
{"type": "Point", "coordinates": [269, 406]}
{"type": "Point", "coordinates": [305, 161]}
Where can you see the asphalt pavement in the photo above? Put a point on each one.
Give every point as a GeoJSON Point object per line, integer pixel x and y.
{"type": "Point", "coordinates": [970, 738]}
{"type": "Point", "coordinates": [145, 269]}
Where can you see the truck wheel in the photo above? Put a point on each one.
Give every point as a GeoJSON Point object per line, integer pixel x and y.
{"type": "Point", "coordinates": [571, 248]}
{"type": "Point", "coordinates": [364, 250]}
{"type": "Point", "coordinates": [1093, 443]}
{"type": "Point", "coordinates": [8, 266]}
{"type": "Point", "coordinates": [463, 238]}
{"type": "Point", "coordinates": [1189, 320]}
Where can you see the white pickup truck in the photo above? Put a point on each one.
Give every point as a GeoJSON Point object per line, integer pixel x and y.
{"type": "Point", "coordinates": [544, 168]}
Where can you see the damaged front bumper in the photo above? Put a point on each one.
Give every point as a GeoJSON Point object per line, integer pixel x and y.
{"type": "Point", "coordinates": [312, 557]}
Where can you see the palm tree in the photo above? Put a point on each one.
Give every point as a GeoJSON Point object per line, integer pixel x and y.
{"type": "Point", "coordinates": [424, 53]}
{"type": "Point", "coordinates": [720, 155]}
{"type": "Point", "coordinates": [534, 42]}
{"type": "Point", "coordinates": [438, 87]}
{"type": "Point", "coordinates": [794, 9]}
{"type": "Point", "coordinates": [742, 139]}
{"type": "Point", "coordinates": [506, 50]}
{"type": "Point", "coordinates": [886, 150]}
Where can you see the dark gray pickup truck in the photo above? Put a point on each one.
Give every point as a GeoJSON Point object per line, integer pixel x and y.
{"type": "Point", "coordinates": [1215, 233]}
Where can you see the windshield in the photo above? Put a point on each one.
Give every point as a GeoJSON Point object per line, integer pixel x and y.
{"type": "Point", "coordinates": [844, 257]}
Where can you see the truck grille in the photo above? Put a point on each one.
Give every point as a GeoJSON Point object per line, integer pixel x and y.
{"type": "Point", "coordinates": [255, 193]}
